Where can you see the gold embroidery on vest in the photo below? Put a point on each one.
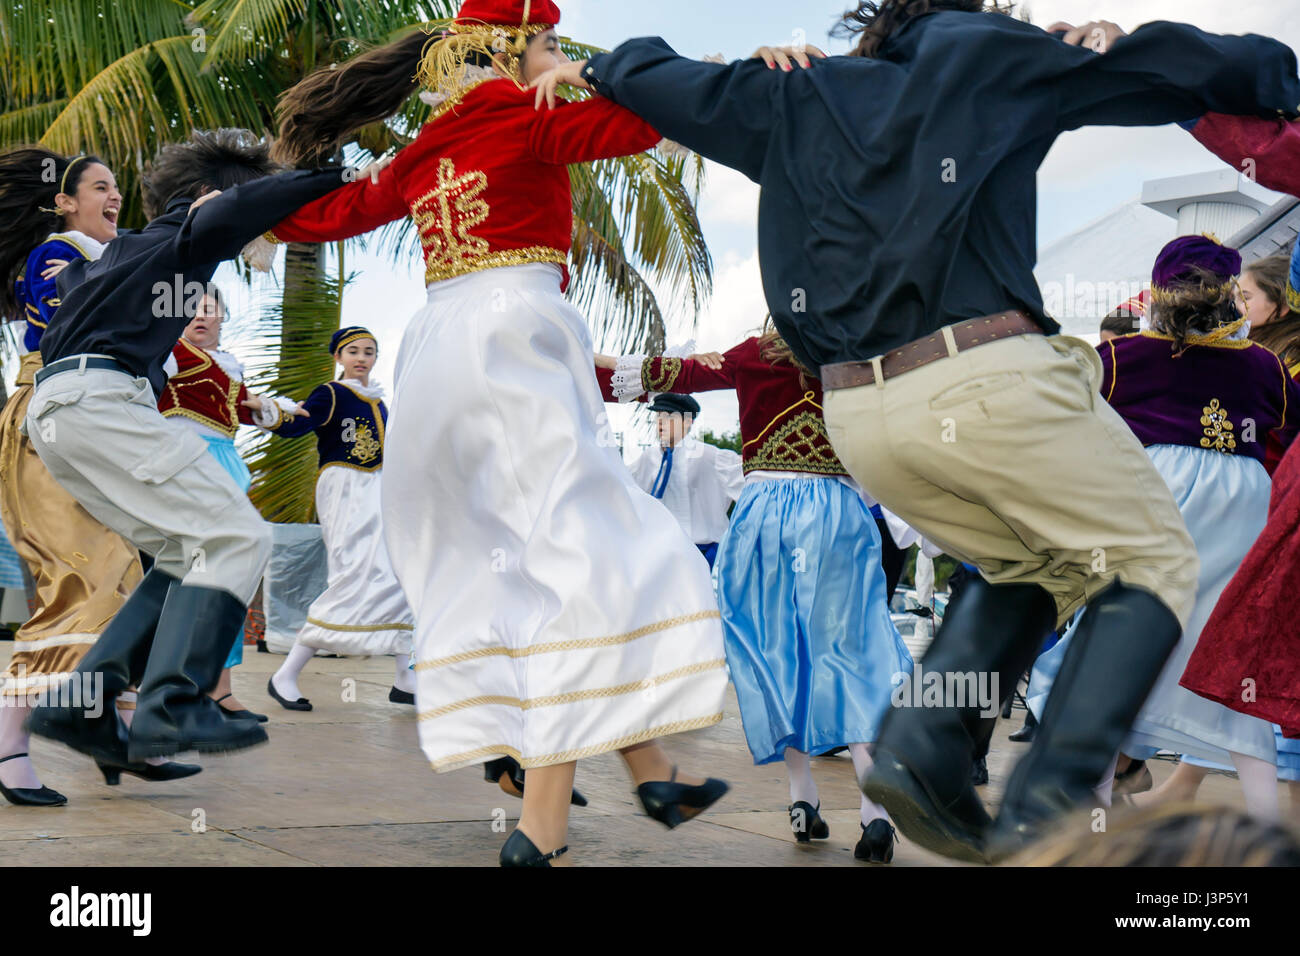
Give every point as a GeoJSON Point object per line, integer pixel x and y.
{"type": "Point", "coordinates": [446, 215]}
{"type": "Point", "coordinates": [801, 444]}
{"type": "Point", "coordinates": [1218, 429]}
{"type": "Point", "coordinates": [366, 447]}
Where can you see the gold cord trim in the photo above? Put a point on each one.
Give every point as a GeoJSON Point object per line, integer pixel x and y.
{"type": "Point", "coordinates": [573, 645]}
{"type": "Point", "coordinates": [574, 696]}
{"type": "Point", "coordinates": [670, 369]}
{"type": "Point", "coordinates": [361, 628]}
{"type": "Point", "coordinates": [468, 757]}
{"type": "Point", "coordinates": [178, 412]}
{"type": "Point", "coordinates": [1206, 340]}
{"type": "Point", "coordinates": [438, 272]}
{"type": "Point", "coordinates": [808, 397]}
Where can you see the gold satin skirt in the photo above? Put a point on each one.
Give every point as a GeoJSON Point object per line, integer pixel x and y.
{"type": "Point", "coordinates": [83, 571]}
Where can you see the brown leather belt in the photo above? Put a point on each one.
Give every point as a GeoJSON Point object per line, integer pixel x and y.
{"type": "Point", "coordinates": [966, 335]}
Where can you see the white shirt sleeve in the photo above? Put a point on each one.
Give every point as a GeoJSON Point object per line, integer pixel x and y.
{"type": "Point", "coordinates": [731, 473]}
{"type": "Point", "coordinates": [170, 366]}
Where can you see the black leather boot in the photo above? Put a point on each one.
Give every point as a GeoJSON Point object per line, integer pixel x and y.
{"type": "Point", "coordinates": [1113, 661]}
{"type": "Point", "coordinates": [190, 646]}
{"type": "Point", "coordinates": [117, 659]}
{"type": "Point", "coordinates": [924, 756]}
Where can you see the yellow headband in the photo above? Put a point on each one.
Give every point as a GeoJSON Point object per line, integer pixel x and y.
{"type": "Point", "coordinates": [63, 185]}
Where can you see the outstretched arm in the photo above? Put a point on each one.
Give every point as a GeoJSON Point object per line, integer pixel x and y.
{"type": "Point", "coordinates": [1169, 72]}
{"type": "Point", "coordinates": [1266, 150]}
{"type": "Point", "coordinates": [724, 112]}
{"type": "Point", "coordinates": [319, 408]}
{"type": "Point", "coordinates": [218, 229]}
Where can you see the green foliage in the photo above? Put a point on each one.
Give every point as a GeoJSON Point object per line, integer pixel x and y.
{"type": "Point", "coordinates": [728, 440]}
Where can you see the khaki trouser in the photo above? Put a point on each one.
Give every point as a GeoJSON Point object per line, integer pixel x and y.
{"type": "Point", "coordinates": [1007, 457]}
{"type": "Point", "coordinates": [153, 482]}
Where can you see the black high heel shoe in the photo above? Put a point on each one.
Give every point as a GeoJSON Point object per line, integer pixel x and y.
{"type": "Point", "coordinates": [241, 714]}
{"type": "Point", "coordinates": [147, 771]}
{"type": "Point", "coordinates": [27, 797]}
{"type": "Point", "coordinates": [521, 851]}
{"type": "Point", "coordinates": [506, 773]}
{"type": "Point", "coordinates": [807, 823]}
{"type": "Point", "coordinates": [877, 842]}
{"type": "Point", "coordinates": [398, 696]}
{"type": "Point", "coordinates": [665, 800]}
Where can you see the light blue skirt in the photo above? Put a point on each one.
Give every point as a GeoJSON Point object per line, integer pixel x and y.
{"type": "Point", "coordinates": [223, 450]}
{"type": "Point", "coordinates": [1224, 501]}
{"type": "Point", "coordinates": [812, 650]}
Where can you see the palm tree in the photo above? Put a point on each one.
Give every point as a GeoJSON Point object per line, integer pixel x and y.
{"type": "Point", "coordinates": [120, 80]}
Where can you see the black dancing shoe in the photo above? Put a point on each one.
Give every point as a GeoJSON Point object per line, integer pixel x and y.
{"type": "Point", "coordinates": [29, 797]}
{"type": "Point", "coordinates": [979, 772]}
{"type": "Point", "coordinates": [1025, 734]}
{"type": "Point", "coordinates": [521, 851]}
{"type": "Point", "coordinates": [807, 823]}
{"type": "Point", "coordinates": [396, 696]}
{"type": "Point", "coordinates": [302, 703]}
{"type": "Point", "coordinates": [147, 771]}
{"type": "Point", "coordinates": [672, 803]}
{"type": "Point", "coordinates": [877, 842]}
{"type": "Point", "coordinates": [241, 714]}
{"type": "Point", "coordinates": [506, 773]}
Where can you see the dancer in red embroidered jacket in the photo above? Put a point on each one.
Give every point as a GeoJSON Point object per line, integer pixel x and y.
{"type": "Point", "coordinates": [549, 591]}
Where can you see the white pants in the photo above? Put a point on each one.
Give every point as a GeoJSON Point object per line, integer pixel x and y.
{"type": "Point", "coordinates": [100, 434]}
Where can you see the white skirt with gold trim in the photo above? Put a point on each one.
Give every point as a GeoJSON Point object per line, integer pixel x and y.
{"type": "Point", "coordinates": [362, 610]}
{"type": "Point", "coordinates": [561, 612]}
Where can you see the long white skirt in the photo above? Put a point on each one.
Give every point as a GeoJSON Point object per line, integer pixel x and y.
{"type": "Point", "coordinates": [362, 610]}
{"type": "Point", "coordinates": [561, 612]}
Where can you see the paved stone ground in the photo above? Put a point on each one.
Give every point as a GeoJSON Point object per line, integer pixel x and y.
{"type": "Point", "coordinates": [347, 785]}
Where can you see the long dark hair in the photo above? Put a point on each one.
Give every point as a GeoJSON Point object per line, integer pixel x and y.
{"type": "Point", "coordinates": [30, 178]}
{"type": "Point", "coordinates": [1282, 333]}
{"type": "Point", "coordinates": [209, 159]}
{"type": "Point", "coordinates": [1194, 306]}
{"type": "Point", "coordinates": [875, 21]}
{"type": "Point", "coordinates": [321, 111]}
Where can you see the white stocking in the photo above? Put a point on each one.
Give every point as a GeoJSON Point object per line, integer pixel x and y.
{"type": "Point", "coordinates": [404, 677]}
{"type": "Point", "coordinates": [862, 765]}
{"type": "Point", "coordinates": [1259, 784]}
{"type": "Point", "coordinates": [286, 678]}
{"type": "Point", "coordinates": [802, 786]}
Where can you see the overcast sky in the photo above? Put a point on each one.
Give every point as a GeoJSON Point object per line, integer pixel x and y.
{"type": "Point", "coordinates": [1086, 174]}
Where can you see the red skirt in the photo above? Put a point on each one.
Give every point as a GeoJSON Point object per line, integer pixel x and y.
{"type": "Point", "coordinates": [1248, 657]}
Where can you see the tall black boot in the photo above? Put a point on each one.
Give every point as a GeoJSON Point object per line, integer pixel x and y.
{"type": "Point", "coordinates": [1113, 661]}
{"type": "Point", "coordinates": [117, 659]}
{"type": "Point", "coordinates": [190, 646]}
{"type": "Point", "coordinates": [924, 755]}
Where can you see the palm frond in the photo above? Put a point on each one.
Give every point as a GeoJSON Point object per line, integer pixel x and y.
{"type": "Point", "coordinates": [245, 28]}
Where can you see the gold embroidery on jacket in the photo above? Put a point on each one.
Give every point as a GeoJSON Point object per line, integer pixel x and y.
{"type": "Point", "coordinates": [366, 447]}
{"type": "Point", "coordinates": [801, 444]}
{"type": "Point", "coordinates": [1218, 429]}
{"type": "Point", "coordinates": [446, 214]}
{"type": "Point", "coordinates": [669, 369]}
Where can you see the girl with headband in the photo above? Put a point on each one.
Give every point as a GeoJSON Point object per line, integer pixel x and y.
{"type": "Point", "coordinates": [55, 210]}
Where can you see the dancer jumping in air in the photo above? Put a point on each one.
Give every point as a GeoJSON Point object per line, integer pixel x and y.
{"type": "Point", "coordinates": [559, 612]}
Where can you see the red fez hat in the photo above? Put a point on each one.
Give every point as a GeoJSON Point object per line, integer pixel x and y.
{"type": "Point", "coordinates": [510, 13]}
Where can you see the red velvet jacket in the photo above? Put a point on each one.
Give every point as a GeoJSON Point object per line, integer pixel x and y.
{"type": "Point", "coordinates": [202, 390]}
{"type": "Point", "coordinates": [486, 181]}
{"type": "Point", "coordinates": [781, 421]}
{"type": "Point", "coordinates": [1272, 144]}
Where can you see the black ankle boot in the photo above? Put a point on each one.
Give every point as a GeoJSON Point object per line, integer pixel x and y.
{"type": "Point", "coordinates": [1114, 659]}
{"type": "Point", "coordinates": [925, 755]}
{"type": "Point", "coordinates": [115, 662]}
{"type": "Point", "coordinates": [174, 712]}
{"type": "Point", "coordinates": [1026, 733]}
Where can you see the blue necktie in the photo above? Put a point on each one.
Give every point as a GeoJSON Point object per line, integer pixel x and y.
{"type": "Point", "coordinates": [665, 469]}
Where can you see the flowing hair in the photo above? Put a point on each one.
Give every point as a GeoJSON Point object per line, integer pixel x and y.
{"type": "Point", "coordinates": [320, 112]}
{"type": "Point", "coordinates": [874, 22]}
{"type": "Point", "coordinates": [1282, 333]}
{"type": "Point", "coordinates": [775, 351]}
{"type": "Point", "coordinates": [210, 159]}
{"type": "Point", "coordinates": [30, 178]}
